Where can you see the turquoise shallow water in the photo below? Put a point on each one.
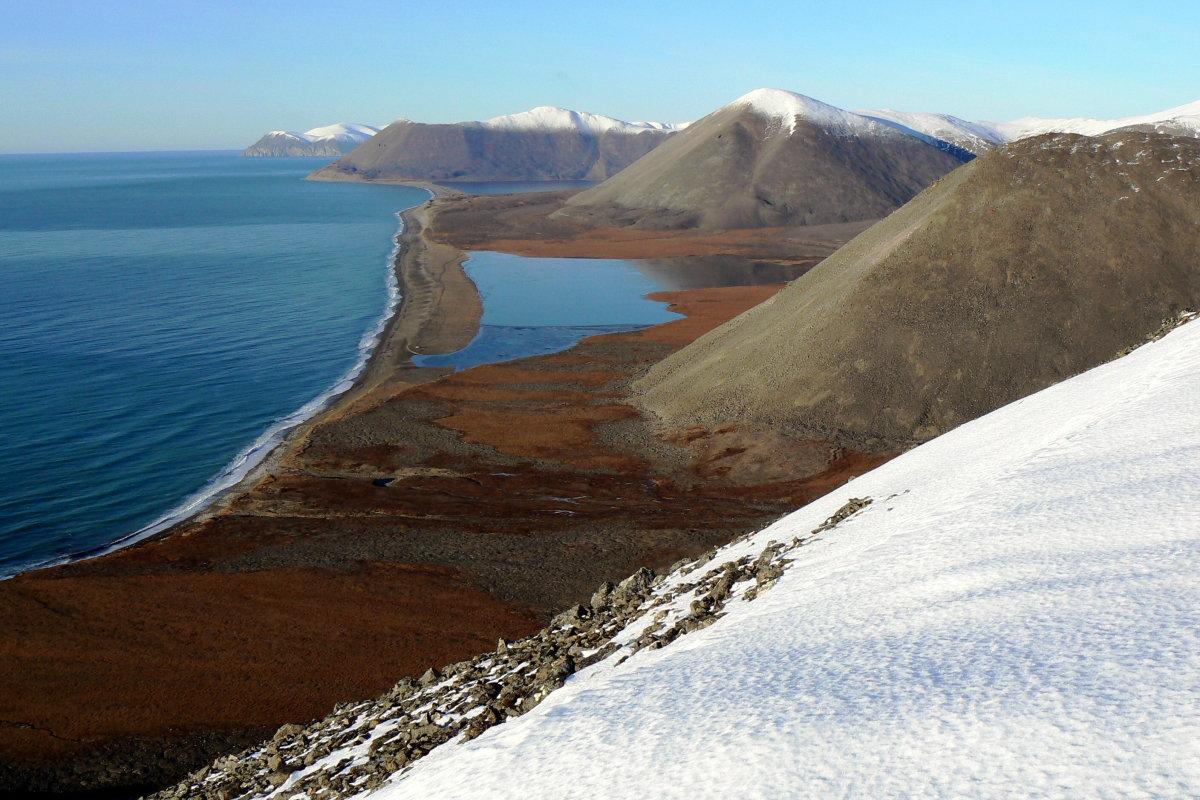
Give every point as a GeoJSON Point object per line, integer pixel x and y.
{"type": "Point", "coordinates": [158, 314]}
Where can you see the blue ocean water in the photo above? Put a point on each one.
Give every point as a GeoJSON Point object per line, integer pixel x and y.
{"type": "Point", "coordinates": [158, 314]}
{"type": "Point", "coordinates": [534, 306]}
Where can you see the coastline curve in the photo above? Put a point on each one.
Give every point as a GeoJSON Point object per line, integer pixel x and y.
{"type": "Point", "coordinates": [254, 459]}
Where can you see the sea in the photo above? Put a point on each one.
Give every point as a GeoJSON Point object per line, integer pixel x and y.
{"type": "Point", "coordinates": [166, 318]}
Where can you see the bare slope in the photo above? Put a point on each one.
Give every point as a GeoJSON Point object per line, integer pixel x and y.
{"type": "Point", "coordinates": [769, 158]}
{"type": "Point", "coordinates": [541, 144]}
{"type": "Point", "coordinates": [1031, 264]}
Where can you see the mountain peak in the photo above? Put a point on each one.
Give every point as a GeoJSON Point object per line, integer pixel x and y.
{"type": "Point", "coordinates": [342, 130]}
{"type": "Point", "coordinates": [742, 167]}
{"type": "Point", "coordinates": [787, 106]}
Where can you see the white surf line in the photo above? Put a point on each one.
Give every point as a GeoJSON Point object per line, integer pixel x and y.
{"type": "Point", "coordinates": [249, 458]}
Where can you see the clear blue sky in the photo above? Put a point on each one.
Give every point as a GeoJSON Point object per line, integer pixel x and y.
{"type": "Point", "coordinates": [183, 74]}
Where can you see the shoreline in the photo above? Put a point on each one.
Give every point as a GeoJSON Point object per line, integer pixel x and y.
{"type": "Point", "coordinates": [413, 495]}
{"type": "Point", "coordinates": [404, 263]}
{"type": "Point", "coordinates": [262, 457]}
{"type": "Point", "coordinates": [388, 356]}
{"type": "Point", "coordinates": [435, 189]}
{"type": "Point", "coordinates": [408, 282]}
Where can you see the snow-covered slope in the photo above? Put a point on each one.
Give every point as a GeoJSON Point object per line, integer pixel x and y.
{"type": "Point", "coordinates": [981, 136]}
{"type": "Point", "coordinates": [1184, 119]}
{"type": "Point", "coordinates": [787, 107]}
{"type": "Point", "coordinates": [327, 140]}
{"type": "Point", "coordinates": [342, 131]}
{"type": "Point", "coordinates": [973, 136]}
{"type": "Point", "coordinates": [1017, 613]}
{"type": "Point", "coordinates": [976, 137]}
{"type": "Point", "coordinates": [552, 118]}
{"type": "Point", "coordinates": [1010, 610]}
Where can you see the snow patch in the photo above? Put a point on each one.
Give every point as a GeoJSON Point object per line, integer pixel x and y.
{"type": "Point", "coordinates": [1182, 120]}
{"type": "Point", "coordinates": [974, 136]}
{"type": "Point", "coordinates": [553, 118]}
{"type": "Point", "coordinates": [786, 107]}
{"type": "Point", "coordinates": [339, 132]}
{"type": "Point", "coordinates": [342, 131]}
{"type": "Point", "coordinates": [1185, 117]}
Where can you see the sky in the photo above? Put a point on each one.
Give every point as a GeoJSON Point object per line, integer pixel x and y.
{"type": "Point", "coordinates": [180, 74]}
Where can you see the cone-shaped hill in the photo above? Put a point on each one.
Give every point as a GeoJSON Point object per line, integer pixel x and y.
{"type": "Point", "coordinates": [769, 158]}
{"type": "Point", "coordinates": [1030, 264]}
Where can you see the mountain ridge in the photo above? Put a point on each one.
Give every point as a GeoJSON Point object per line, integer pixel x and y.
{"type": "Point", "coordinates": [336, 139]}
{"type": "Point", "coordinates": [543, 143]}
{"type": "Point", "coordinates": [768, 158]}
{"type": "Point", "coordinates": [981, 136]}
{"type": "Point", "coordinates": [559, 118]}
{"type": "Point", "coordinates": [1186, 115]}
{"type": "Point", "coordinates": [975, 137]}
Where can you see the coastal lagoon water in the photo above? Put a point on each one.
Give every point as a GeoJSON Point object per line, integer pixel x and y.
{"type": "Point", "coordinates": [534, 306]}
{"type": "Point", "coordinates": [158, 314]}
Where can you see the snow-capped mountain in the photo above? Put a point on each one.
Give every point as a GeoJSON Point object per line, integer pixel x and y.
{"type": "Point", "coordinates": [770, 157]}
{"type": "Point", "coordinates": [1008, 608]}
{"type": "Point", "coordinates": [979, 137]}
{"type": "Point", "coordinates": [1180, 120]}
{"type": "Point", "coordinates": [553, 118]}
{"type": "Point", "coordinates": [787, 107]}
{"type": "Point", "coordinates": [972, 136]}
{"type": "Point", "coordinates": [975, 137]}
{"type": "Point", "coordinates": [543, 143]}
{"type": "Point", "coordinates": [328, 140]}
{"type": "Point", "coordinates": [343, 132]}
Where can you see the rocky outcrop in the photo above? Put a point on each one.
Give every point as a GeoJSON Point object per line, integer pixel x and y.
{"type": "Point", "coordinates": [363, 745]}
